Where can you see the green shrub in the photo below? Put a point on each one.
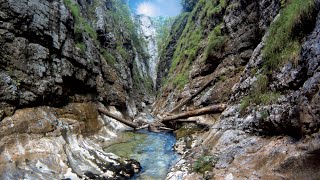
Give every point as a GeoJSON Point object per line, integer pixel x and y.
{"type": "Point", "coordinates": [81, 24]}
{"type": "Point", "coordinates": [264, 114]}
{"type": "Point", "coordinates": [189, 40]}
{"type": "Point", "coordinates": [124, 54]}
{"type": "Point", "coordinates": [81, 46]}
{"type": "Point", "coordinates": [212, 8]}
{"type": "Point", "coordinates": [261, 84]}
{"type": "Point", "coordinates": [189, 43]}
{"type": "Point", "coordinates": [215, 43]}
{"type": "Point", "coordinates": [283, 43]}
{"type": "Point", "coordinates": [269, 98]}
{"type": "Point", "coordinates": [245, 102]}
{"type": "Point", "coordinates": [108, 57]}
{"type": "Point", "coordinates": [180, 80]}
{"type": "Point", "coordinates": [205, 163]}
{"type": "Point", "coordinates": [122, 19]}
{"type": "Point", "coordinates": [283, 3]}
{"type": "Point", "coordinates": [188, 47]}
{"type": "Point", "coordinates": [87, 28]}
{"type": "Point", "coordinates": [74, 9]}
{"type": "Point", "coordinates": [223, 3]}
{"type": "Point", "coordinates": [259, 99]}
{"type": "Point", "coordinates": [259, 94]}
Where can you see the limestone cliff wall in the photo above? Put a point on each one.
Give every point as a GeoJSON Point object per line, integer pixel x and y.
{"type": "Point", "coordinates": [214, 38]}
{"type": "Point", "coordinates": [264, 57]}
{"type": "Point", "coordinates": [59, 60]}
{"type": "Point", "coordinates": [55, 52]}
{"type": "Point", "coordinates": [147, 31]}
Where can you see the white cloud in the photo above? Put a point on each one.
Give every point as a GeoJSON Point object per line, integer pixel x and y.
{"type": "Point", "coordinates": [147, 8]}
{"type": "Point", "coordinates": [154, 8]}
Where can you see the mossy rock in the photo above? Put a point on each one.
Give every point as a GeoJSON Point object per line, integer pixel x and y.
{"type": "Point", "coordinates": [205, 163]}
{"type": "Point", "coordinates": [187, 129]}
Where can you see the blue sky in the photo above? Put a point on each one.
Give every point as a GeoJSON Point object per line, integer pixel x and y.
{"type": "Point", "coordinates": [155, 8]}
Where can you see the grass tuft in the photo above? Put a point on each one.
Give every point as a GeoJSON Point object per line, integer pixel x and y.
{"type": "Point", "coordinates": [108, 57]}
{"type": "Point", "coordinates": [180, 80]}
{"type": "Point", "coordinates": [259, 94]}
{"type": "Point", "coordinates": [81, 46]}
{"type": "Point", "coordinates": [215, 43]}
{"type": "Point", "coordinates": [283, 43]}
{"type": "Point", "coordinates": [81, 25]}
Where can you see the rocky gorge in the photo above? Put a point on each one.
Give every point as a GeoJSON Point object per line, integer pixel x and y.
{"type": "Point", "coordinates": [63, 60]}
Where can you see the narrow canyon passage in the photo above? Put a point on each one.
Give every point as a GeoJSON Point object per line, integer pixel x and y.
{"type": "Point", "coordinates": [159, 89]}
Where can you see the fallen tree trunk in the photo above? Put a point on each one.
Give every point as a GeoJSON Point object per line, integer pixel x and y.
{"type": "Point", "coordinates": [166, 129]}
{"type": "Point", "coordinates": [206, 110]}
{"type": "Point", "coordinates": [120, 119]}
{"type": "Point", "coordinates": [143, 127]}
{"type": "Point", "coordinates": [194, 95]}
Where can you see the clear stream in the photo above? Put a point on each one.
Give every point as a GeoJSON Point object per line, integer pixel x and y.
{"type": "Point", "coordinates": [153, 150]}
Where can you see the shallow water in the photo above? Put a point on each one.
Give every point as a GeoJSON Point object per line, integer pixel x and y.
{"type": "Point", "coordinates": [153, 150]}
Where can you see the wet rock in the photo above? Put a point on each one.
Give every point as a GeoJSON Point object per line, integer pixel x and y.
{"type": "Point", "coordinates": [48, 142]}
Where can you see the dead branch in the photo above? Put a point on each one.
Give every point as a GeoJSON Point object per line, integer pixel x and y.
{"type": "Point", "coordinates": [120, 119]}
{"type": "Point", "coordinates": [206, 110]}
{"type": "Point", "coordinates": [194, 95]}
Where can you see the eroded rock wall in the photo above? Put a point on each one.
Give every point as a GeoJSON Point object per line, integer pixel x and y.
{"type": "Point", "coordinates": [147, 31]}
{"type": "Point", "coordinates": [186, 67]}
{"type": "Point", "coordinates": [53, 50]}
{"type": "Point", "coordinates": [61, 143]}
{"type": "Point", "coordinates": [59, 59]}
{"type": "Point", "coordinates": [270, 129]}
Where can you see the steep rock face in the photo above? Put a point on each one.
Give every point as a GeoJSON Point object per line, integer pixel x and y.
{"type": "Point", "coordinates": [293, 112]}
{"type": "Point", "coordinates": [218, 43]}
{"type": "Point", "coordinates": [188, 5]}
{"type": "Point", "coordinates": [147, 31]}
{"type": "Point", "coordinates": [49, 53]}
{"type": "Point", "coordinates": [58, 60]}
{"type": "Point", "coordinates": [165, 58]}
{"type": "Point", "coordinates": [270, 129]}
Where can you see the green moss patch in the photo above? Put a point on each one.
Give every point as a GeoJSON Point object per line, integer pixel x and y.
{"type": "Point", "coordinates": [81, 25]}
{"type": "Point", "coordinates": [81, 46]}
{"type": "Point", "coordinates": [187, 129]}
{"type": "Point", "coordinates": [108, 57]}
{"type": "Point", "coordinates": [204, 163]}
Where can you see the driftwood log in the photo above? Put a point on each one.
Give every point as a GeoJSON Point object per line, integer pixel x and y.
{"type": "Point", "coordinates": [184, 102]}
{"type": "Point", "coordinates": [158, 125]}
{"type": "Point", "coordinates": [206, 110]}
{"type": "Point", "coordinates": [120, 119]}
